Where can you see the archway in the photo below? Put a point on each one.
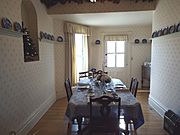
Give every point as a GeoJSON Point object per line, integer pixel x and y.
{"type": "Point", "coordinates": [30, 29]}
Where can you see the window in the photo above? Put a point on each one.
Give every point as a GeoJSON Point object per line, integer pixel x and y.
{"type": "Point", "coordinates": [81, 53]}
{"type": "Point", "coordinates": [115, 51]}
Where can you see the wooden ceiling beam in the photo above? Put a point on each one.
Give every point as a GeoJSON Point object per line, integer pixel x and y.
{"type": "Point", "coordinates": [50, 3]}
{"type": "Point", "coordinates": [99, 7]}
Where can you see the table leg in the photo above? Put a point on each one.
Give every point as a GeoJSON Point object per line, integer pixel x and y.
{"type": "Point", "coordinates": [79, 121]}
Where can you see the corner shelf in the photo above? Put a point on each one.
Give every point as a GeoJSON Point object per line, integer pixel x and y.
{"type": "Point", "coordinates": [8, 32]}
{"type": "Point", "coordinates": [50, 41]}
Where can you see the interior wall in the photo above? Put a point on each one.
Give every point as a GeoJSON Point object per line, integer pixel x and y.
{"type": "Point", "coordinates": [165, 76]}
{"type": "Point", "coordinates": [59, 57]}
{"type": "Point", "coordinates": [139, 53]}
{"type": "Point", "coordinates": [27, 89]}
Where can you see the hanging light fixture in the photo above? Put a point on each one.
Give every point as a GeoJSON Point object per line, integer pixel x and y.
{"type": "Point", "coordinates": [93, 1]}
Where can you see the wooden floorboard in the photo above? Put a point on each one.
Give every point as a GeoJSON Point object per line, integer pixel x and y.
{"type": "Point", "coordinates": [52, 123]}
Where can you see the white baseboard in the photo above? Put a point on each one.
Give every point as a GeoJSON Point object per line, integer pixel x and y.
{"type": "Point", "coordinates": [36, 116]}
{"type": "Point", "coordinates": [160, 109]}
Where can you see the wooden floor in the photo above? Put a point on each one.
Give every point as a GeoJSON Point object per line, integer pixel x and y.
{"type": "Point", "coordinates": [52, 123]}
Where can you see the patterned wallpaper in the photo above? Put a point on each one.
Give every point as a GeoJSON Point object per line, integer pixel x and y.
{"type": "Point", "coordinates": [59, 57]}
{"type": "Point", "coordinates": [166, 58]}
{"type": "Point", "coordinates": [165, 86]}
{"type": "Point", "coordinates": [140, 52]}
{"type": "Point", "coordinates": [25, 88]}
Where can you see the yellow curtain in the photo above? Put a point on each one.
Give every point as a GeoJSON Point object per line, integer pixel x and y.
{"type": "Point", "coordinates": [69, 59]}
{"type": "Point", "coordinates": [86, 51]}
{"type": "Point", "coordinates": [116, 38]}
{"type": "Point", "coordinates": [74, 70]}
{"type": "Point", "coordinates": [70, 29]}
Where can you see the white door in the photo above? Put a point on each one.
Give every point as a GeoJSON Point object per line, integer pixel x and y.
{"type": "Point", "coordinates": [117, 60]}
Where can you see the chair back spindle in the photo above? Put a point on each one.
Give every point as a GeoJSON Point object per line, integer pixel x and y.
{"type": "Point", "coordinates": [134, 86]}
{"type": "Point", "coordinates": [68, 88]}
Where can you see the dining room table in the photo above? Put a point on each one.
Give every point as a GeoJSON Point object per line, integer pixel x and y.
{"type": "Point", "coordinates": [78, 105]}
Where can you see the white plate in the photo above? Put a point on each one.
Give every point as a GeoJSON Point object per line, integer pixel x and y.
{"type": "Point", "coordinates": [120, 86]}
{"type": "Point", "coordinates": [83, 87]}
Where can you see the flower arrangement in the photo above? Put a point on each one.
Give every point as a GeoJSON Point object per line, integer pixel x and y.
{"type": "Point", "coordinates": [104, 78]}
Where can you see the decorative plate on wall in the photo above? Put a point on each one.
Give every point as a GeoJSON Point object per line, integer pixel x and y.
{"type": "Point", "coordinates": [160, 33]}
{"type": "Point", "coordinates": [17, 27]}
{"type": "Point", "coordinates": [172, 29]}
{"type": "Point", "coordinates": [6, 23]}
{"type": "Point", "coordinates": [178, 27]}
{"type": "Point", "coordinates": [165, 31]}
{"type": "Point", "coordinates": [45, 35]}
{"type": "Point", "coordinates": [52, 38]}
{"type": "Point", "coordinates": [144, 41]}
{"type": "Point", "coordinates": [41, 35]}
{"type": "Point", "coordinates": [48, 36]}
{"type": "Point", "coordinates": [155, 34]}
{"type": "Point", "coordinates": [136, 41]}
{"type": "Point", "coordinates": [60, 39]}
{"type": "Point", "coordinates": [98, 42]}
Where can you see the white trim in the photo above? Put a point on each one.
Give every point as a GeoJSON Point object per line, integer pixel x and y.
{"type": "Point", "coordinates": [158, 107]}
{"type": "Point", "coordinates": [36, 115]}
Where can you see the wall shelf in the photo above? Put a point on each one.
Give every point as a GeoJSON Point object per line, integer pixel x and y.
{"type": "Point", "coordinates": [173, 35]}
{"type": "Point", "coordinates": [50, 41]}
{"type": "Point", "coordinates": [140, 44]}
{"type": "Point", "coordinates": [8, 32]}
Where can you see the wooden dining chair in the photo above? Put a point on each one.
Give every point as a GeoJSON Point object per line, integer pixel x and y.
{"type": "Point", "coordinates": [87, 74]}
{"type": "Point", "coordinates": [104, 116]}
{"type": "Point", "coordinates": [130, 86]}
{"type": "Point", "coordinates": [68, 88]}
{"type": "Point", "coordinates": [84, 74]}
{"type": "Point", "coordinates": [134, 86]}
{"type": "Point", "coordinates": [69, 93]}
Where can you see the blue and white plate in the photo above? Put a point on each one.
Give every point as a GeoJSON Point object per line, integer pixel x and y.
{"type": "Point", "coordinates": [165, 31]}
{"type": "Point", "coordinates": [17, 27]}
{"type": "Point", "coordinates": [136, 41]}
{"type": "Point", "coordinates": [172, 29]}
{"type": "Point", "coordinates": [42, 35]}
{"type": "Point", "coordinates": [6, 23]}
{"type": "Point", "coordinates": [160, 33]}
{"type": "Point", "coordinates": [98, 42]}
{"type": "Point", "coordinates": [144, 41]}
{"type": "Point", "coordinates": [60, 39]}
{"type": "Point", "coordinates": [178, 27]}
{"type": "Point", "coordinates": [155, 34]}
{"type": "Point", "coordinates": [52, 38]}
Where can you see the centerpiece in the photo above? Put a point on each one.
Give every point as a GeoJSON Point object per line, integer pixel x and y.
{"type": "Point", "coordinates": [104, 78]}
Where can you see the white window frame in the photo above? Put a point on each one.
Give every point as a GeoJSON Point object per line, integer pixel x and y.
{"type": "Point", "coordinates": [125, 55]}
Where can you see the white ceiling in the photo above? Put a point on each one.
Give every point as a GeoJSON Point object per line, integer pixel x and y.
{"type": "Point", "coordinates": [109, 19]}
